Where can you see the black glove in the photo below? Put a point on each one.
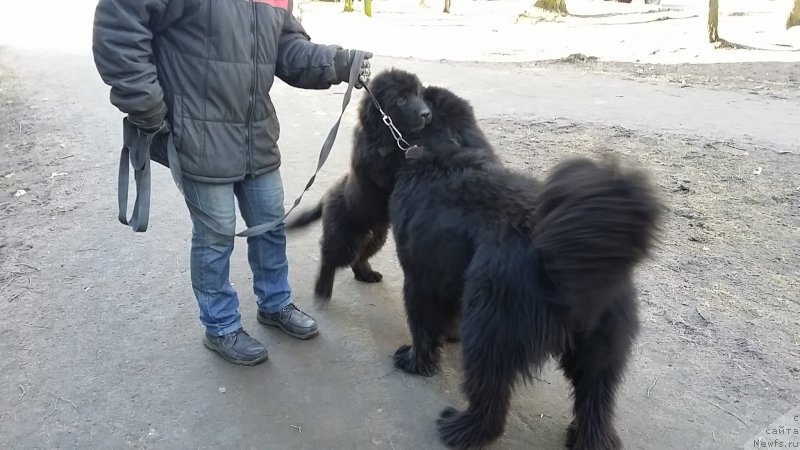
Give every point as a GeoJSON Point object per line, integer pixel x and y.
{"type": "Point", "coordinates": [343, 61]}
{"type": "Point", "coordinates": [151, 121]}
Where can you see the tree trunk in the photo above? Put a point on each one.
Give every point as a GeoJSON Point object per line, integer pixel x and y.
{"type": "Point", "coordinates": [556, 6]}
{"type": "Point", "coordinates": [368, 8]}
{"type": "Point", "coordinates": [447, 6]}
{"type": "Point", "coordinates": [794, 17]}
{"type": "Point", "coordinates": [348, 5]}
{"type": "Point", "coordinates": [713, 21]}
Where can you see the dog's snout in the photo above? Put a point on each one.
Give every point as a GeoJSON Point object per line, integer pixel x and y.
{"type": "Point", "coordinates": [426, 114]}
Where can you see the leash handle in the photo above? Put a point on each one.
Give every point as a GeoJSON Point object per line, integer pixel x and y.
{"type": "Point", "coordinates": [139, 157]}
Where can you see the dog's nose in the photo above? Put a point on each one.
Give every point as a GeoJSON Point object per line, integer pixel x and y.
{"type": "Point", "coordinates": [426, 114]}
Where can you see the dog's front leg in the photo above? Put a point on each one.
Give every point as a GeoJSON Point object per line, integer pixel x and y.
{"type": "Point", "coordinates": [424, 321]}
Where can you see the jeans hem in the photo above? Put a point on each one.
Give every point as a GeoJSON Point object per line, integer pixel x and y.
{"type": "Point", "coordinates": [282, 304]}
{"type": "Point", "coordinates": [214, 330]}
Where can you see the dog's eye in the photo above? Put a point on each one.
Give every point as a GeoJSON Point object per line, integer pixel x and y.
{"type": "Point", "coordinates": [401, 101]}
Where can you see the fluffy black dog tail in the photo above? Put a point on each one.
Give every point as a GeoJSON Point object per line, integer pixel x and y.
{"type": "Point", "coordinates": [305, 218]}
{"type": "Point", "coordinates": [595, 222]}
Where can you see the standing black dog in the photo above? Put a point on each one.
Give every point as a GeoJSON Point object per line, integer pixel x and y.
{"type": "Point", "coordinates": [529, 269]}
{"type": "Point", "coordinates": [354, 211]}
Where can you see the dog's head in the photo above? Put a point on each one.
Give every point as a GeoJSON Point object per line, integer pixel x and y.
{"type": "Point", "coordinates": [448, 109]}
{"type": "Point", "coordinates": [400, 95]}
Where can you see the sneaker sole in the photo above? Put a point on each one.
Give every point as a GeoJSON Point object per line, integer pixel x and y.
{"type": "Point", "coordinates": [271, 323]}
{"type": "Point", "coordinates": [239, 362]}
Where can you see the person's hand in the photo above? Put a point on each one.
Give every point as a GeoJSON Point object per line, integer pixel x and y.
{"type": "Point", "coordinates": [344, 62]}
{"type": "Point", "coordinates": [150, 121]}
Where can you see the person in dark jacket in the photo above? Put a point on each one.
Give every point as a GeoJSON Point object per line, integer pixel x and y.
{"type": "Point", "coordinates": [202, 70]}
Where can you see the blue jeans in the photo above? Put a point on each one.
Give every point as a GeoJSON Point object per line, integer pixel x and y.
{"type": "Point", "coordinates": [260, 200]}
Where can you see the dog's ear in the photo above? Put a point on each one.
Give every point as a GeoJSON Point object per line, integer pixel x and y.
{"type": "Point", "coordinates": [429, 96]}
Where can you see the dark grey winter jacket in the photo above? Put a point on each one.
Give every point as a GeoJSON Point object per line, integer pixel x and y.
{"type": "Point", "coordinates": [209, 66]}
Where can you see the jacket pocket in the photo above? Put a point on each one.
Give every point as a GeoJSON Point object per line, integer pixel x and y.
{"type": "Point", "coordinates": [177, 124]}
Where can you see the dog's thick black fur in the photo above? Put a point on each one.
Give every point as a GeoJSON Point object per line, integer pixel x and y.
{"type": "Point", "coordinates": [530, 270]}
{"type": "Point", "coordinates": [354, 212]}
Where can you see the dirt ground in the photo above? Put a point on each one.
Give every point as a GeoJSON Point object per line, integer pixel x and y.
{"type": "Point", "coordinates": [100, 346]}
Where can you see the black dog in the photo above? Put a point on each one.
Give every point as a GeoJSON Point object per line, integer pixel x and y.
{"type": "Point", "coordinates": [354, 211]}
{"type": "Point", "coordinates": [531, 270]}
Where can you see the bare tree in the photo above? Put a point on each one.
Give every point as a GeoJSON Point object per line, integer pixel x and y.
{"type": "Point", "coordinates": [794, 16]}
{"type": "Point", "coordinates": [713, 21]}
{"type": "Point", "coordinates": [447, 6]}
{"type": "Point", "coordinates": [368, 8]}
{"type": "Point", "coordinates": [556, 6]}
{"type": "Point", "coordinates": [348, 5]}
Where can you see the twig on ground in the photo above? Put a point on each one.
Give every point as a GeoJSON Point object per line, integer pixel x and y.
{"type": "Point", "coordinates": [730, 413]}
{"type": "Point", "coordinates": [388, 373]}
{"type": "Point", "coordinates": [9, 283]}
{"type": "Point", "coordinates": [604, 15]}
{"type": "Point", "coordinates": [86, 250]}
{"type": "Point", "coordinates": [714, 435]}
{"type": "Point", "coordinates": [299, 429]}
{"type": "Point", "coordinates": [55, 405]}
{"type": "Point", "coordinates": [657, 19]}
{"type": "Point", "coordinates": [82, 185]}
{"type": "Point", "coordinates": [652, 386]}
{"type": "Point", "coordinates": [540, 379]}
{"type": "Point", "coordinates": [21, 395]}
{"type": "Point", "coordinates": [70, 402]}
{"type": "Point", "coordinates": [28, 266]}
{"type": "Point", "coordinates": [735, 147]}
{"type": "Point", "coordinates": [13, 297]}
{"type": "Point", "coordinates": [701, 314]}
{"type": "Point", "coordinates": [67, 157]}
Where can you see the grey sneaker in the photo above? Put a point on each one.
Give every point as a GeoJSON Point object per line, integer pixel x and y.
{"type": "Point", "coordinates": [237, 347]}
{"type": "Point", "coordinates": [292, 321]}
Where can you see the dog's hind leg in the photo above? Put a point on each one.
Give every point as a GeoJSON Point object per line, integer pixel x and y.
{"type": "Point", "coordinates": [362, 269]}
{"type": "Point", "coordinates": [501, 341]}
{"type": "Point", "coordinates": [595, 364]}
{"type": "Point", "coordinates": [491, 354]}
{"type": "Point", "coordinates": [337, 251]}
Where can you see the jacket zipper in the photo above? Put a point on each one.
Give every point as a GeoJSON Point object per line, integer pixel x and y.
{"type": "Point", "coordinates": [247, 124]}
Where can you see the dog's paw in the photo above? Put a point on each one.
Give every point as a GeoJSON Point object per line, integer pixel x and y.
{"type": "Point", "coordinates": [323, 293]}
{"type": "Point", "coordinates": [406, 360]}
{"type": "Point", "coordinates": [446, 414]}
{"type": "Point", "coordinates": [452, 338]}
{"type": "Point", "coordinates": [461, 430]}
{"type": "Point", "coordinates": [571, 433]}
{"type": "Point", "coordinates": [370, 276]}
{"type": "Point", "coordinates": [321, 302]}
{"type": "Point", "coordinates": [602, 439]}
